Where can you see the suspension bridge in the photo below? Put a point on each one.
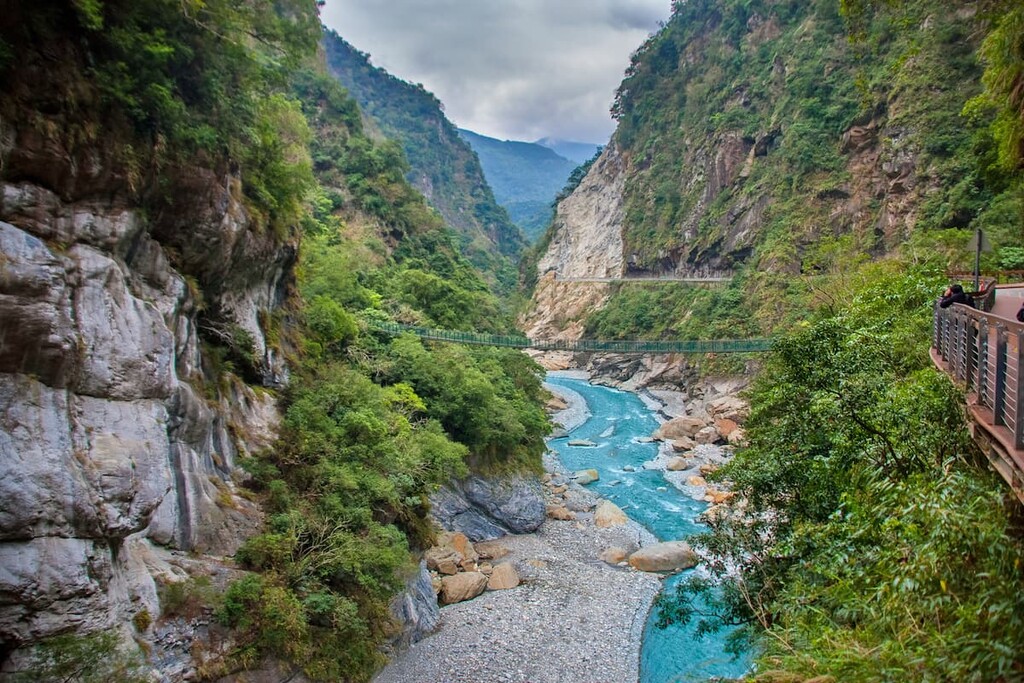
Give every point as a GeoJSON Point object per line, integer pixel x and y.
{"type": "Point", "coordinates": [579, 345]}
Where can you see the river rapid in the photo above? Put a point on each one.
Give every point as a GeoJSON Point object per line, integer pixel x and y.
{"type": "Point", "coordinates": [619, 424]}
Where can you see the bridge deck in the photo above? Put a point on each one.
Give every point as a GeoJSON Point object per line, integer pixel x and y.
{"type": "Point", "coordinates": [630, 346]}
{"type": "Point", "coordinates": [648, 280]}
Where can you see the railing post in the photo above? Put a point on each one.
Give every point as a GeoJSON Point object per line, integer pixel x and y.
{"type": "Point", "coordinates": [981, 361]}
{"type": "Point", "coordinates": [970, 349]}
{"type": "Point", "coordinates": [1017, 358]}
{"type": "Point", "coordinates": [997, 367]}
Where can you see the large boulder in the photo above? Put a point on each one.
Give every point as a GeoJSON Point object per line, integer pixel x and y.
{"type": "Point", "coordinates": [452, 511]}
{"type": "Point", "coordinates": [586, 476]}
{"type": "Point", "coordinates": [608, 514]}
{"type": "Point", "coordinates": [706, 435]}
{"type": "Point", "coordinates": [503, 577]}
{"type": "Point", "coordinates": [464, 586]}
{"type": "Point", "coordinates": [442, 560]}
{"type": "Point", "coordinates": [488, 508]}
{"type": "Point", "coordinates": [678, 428]}
{"type": "Point", "coordinates": [670, 556]}
{"type": "Point", "coordinates": [725, 426]}
{"type": "Point", "coordinates": [515, 502]}
{"type": "Point", "coordinates": [677, 464]}
{"type": "Point", "coordinates": [560, 513]}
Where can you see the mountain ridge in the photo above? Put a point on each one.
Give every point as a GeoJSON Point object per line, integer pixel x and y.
{"type": "Point", "coordinates": [526, 178]}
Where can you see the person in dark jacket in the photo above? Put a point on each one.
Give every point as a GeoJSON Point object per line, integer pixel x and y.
{"type": "Point", "coordinates": [1020, 313]}
{"type": "Point", "coordinates": [955, 295]}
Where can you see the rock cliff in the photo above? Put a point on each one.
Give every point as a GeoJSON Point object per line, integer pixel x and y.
{"type": "Point", "coordinates": [587, 238]}
{"type": "Point", "coordinates": [117, 447]}
{"type": "Point", "coordinates": [766, 144]}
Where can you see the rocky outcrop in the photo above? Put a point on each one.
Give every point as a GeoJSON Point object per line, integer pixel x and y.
{"type": "Point", "coordinates": [415, 609]}
{"type": "Point", "coordinates": [487, 508]}
{"type": "Point", "coordinates": [587, 241]}
{"type": "Point", "coordinates": [114, 440]}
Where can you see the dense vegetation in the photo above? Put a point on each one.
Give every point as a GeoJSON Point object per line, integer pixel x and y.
{"type": "Point", "coordinates": [875, 543]}
{"type": "Point", "coordinates": [372, 424]}
{"type": "Point", "coordinates": [441, 164]}
{"type": "Point", "coordinates": [525, 177]}
{"type": "Point", "coordinates": [162, 106]}
{"type": "Point", "coordinates": [771, 138]}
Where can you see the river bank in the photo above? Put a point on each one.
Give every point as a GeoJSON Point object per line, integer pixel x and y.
{"type": "Point", "coordinates": [573, 619]}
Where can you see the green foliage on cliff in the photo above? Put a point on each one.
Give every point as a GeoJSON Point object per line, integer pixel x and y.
{"type": "Point", "coordinates": [194, 82]}
{"type": "Point", "coordinates": [756, 131]}
{"type": "Point", "coordinates": [372, 424]}
{"type": "Point", "coordinates": [673, 311]}
{"type": "Point", "coordinates": [875, 544]}
{"type": "Point", "coordinates": [441, 164]}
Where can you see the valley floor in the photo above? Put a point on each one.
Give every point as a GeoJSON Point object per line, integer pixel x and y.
{"type": "Point", "coordinates": [574, 619]}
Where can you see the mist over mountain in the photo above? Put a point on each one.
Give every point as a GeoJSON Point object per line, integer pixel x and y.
{"type": "Point", "coordinates": [570, 149]}
{"type": "Point", "coordinates": [442, 165]}
{"type": "Point", "coordinates": [525, 177]}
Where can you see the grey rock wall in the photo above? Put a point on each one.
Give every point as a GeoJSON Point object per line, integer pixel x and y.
{"type": "Point", "coordinates": [113, 447]}
{"type": "Point", "coordinates": [487, 508]}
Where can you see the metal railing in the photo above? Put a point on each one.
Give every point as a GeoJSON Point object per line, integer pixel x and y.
{"type": "Point", "coordinates": [580, 345]}
{"type": "Point", "coordinates": [985, 354]}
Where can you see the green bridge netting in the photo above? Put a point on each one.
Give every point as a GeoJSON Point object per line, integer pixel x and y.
{"type": "Point", "coordinates": [625, 346]}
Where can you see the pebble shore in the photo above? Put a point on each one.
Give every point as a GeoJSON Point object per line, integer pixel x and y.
{"type": "Point", "coordinates": [573, 619]}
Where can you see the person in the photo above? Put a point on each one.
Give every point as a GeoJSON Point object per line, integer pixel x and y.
{"type": "Point", "coordinates": [955, 295]}
{"type": "Point", "coordinates": [1020, 313]}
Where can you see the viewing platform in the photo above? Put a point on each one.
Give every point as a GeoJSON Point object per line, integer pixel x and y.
{"type": "Point", "coordinates": [983, 350]}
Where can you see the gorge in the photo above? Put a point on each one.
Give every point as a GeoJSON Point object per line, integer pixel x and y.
{"type": "Point", "coordinates": [219, 462]}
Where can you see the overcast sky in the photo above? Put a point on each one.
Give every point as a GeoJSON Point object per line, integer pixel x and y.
{"type": "Point", "coordinates": [510, 69]}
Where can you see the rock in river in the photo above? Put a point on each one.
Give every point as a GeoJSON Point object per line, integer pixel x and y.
{"type": "Point", "coordinates": [664, 557]}
{"type": "Point", "coordinates": [586, 476]}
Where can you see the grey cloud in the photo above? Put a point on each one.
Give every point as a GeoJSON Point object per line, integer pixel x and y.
{"type": "Point", "coordinates": [518, 69]}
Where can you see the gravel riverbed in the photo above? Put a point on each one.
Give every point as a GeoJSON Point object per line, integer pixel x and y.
{"type": "Point", "coordinates": [573, 619]}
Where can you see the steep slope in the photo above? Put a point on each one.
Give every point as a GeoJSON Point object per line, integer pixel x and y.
{"type": "Point", "coordinates": [525, 177]}
{"type": "Point", "coordinates": [134, 271]}
{"type": "Point", "coordinates": [442, 166]}
{"type": "Point", "coordinates": [758, 139]}
{"type": "Point", "coordinates": [187, 370]}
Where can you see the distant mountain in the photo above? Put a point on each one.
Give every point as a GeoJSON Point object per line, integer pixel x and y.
{"type": "Point", "coordinates": [575, 151]}
{"type": "Point", "coordinates": [442, 165]}
{"type": "Point", "coordinates": [525, 177]}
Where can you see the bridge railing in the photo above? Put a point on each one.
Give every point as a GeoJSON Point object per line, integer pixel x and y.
{"type": "Point", "coordinates": [985, 353]}
{"type": "Point", "coordinates": [580, 345]}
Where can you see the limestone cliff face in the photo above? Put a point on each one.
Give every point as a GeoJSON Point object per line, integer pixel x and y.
{"type": "Point", "coordinates": [115, 448]}
{"type": "Point", "coordinates": [587, 242]}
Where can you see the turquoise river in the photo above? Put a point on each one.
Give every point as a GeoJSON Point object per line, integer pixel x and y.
{"type": "Point", "coordinates": [617, 423]}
